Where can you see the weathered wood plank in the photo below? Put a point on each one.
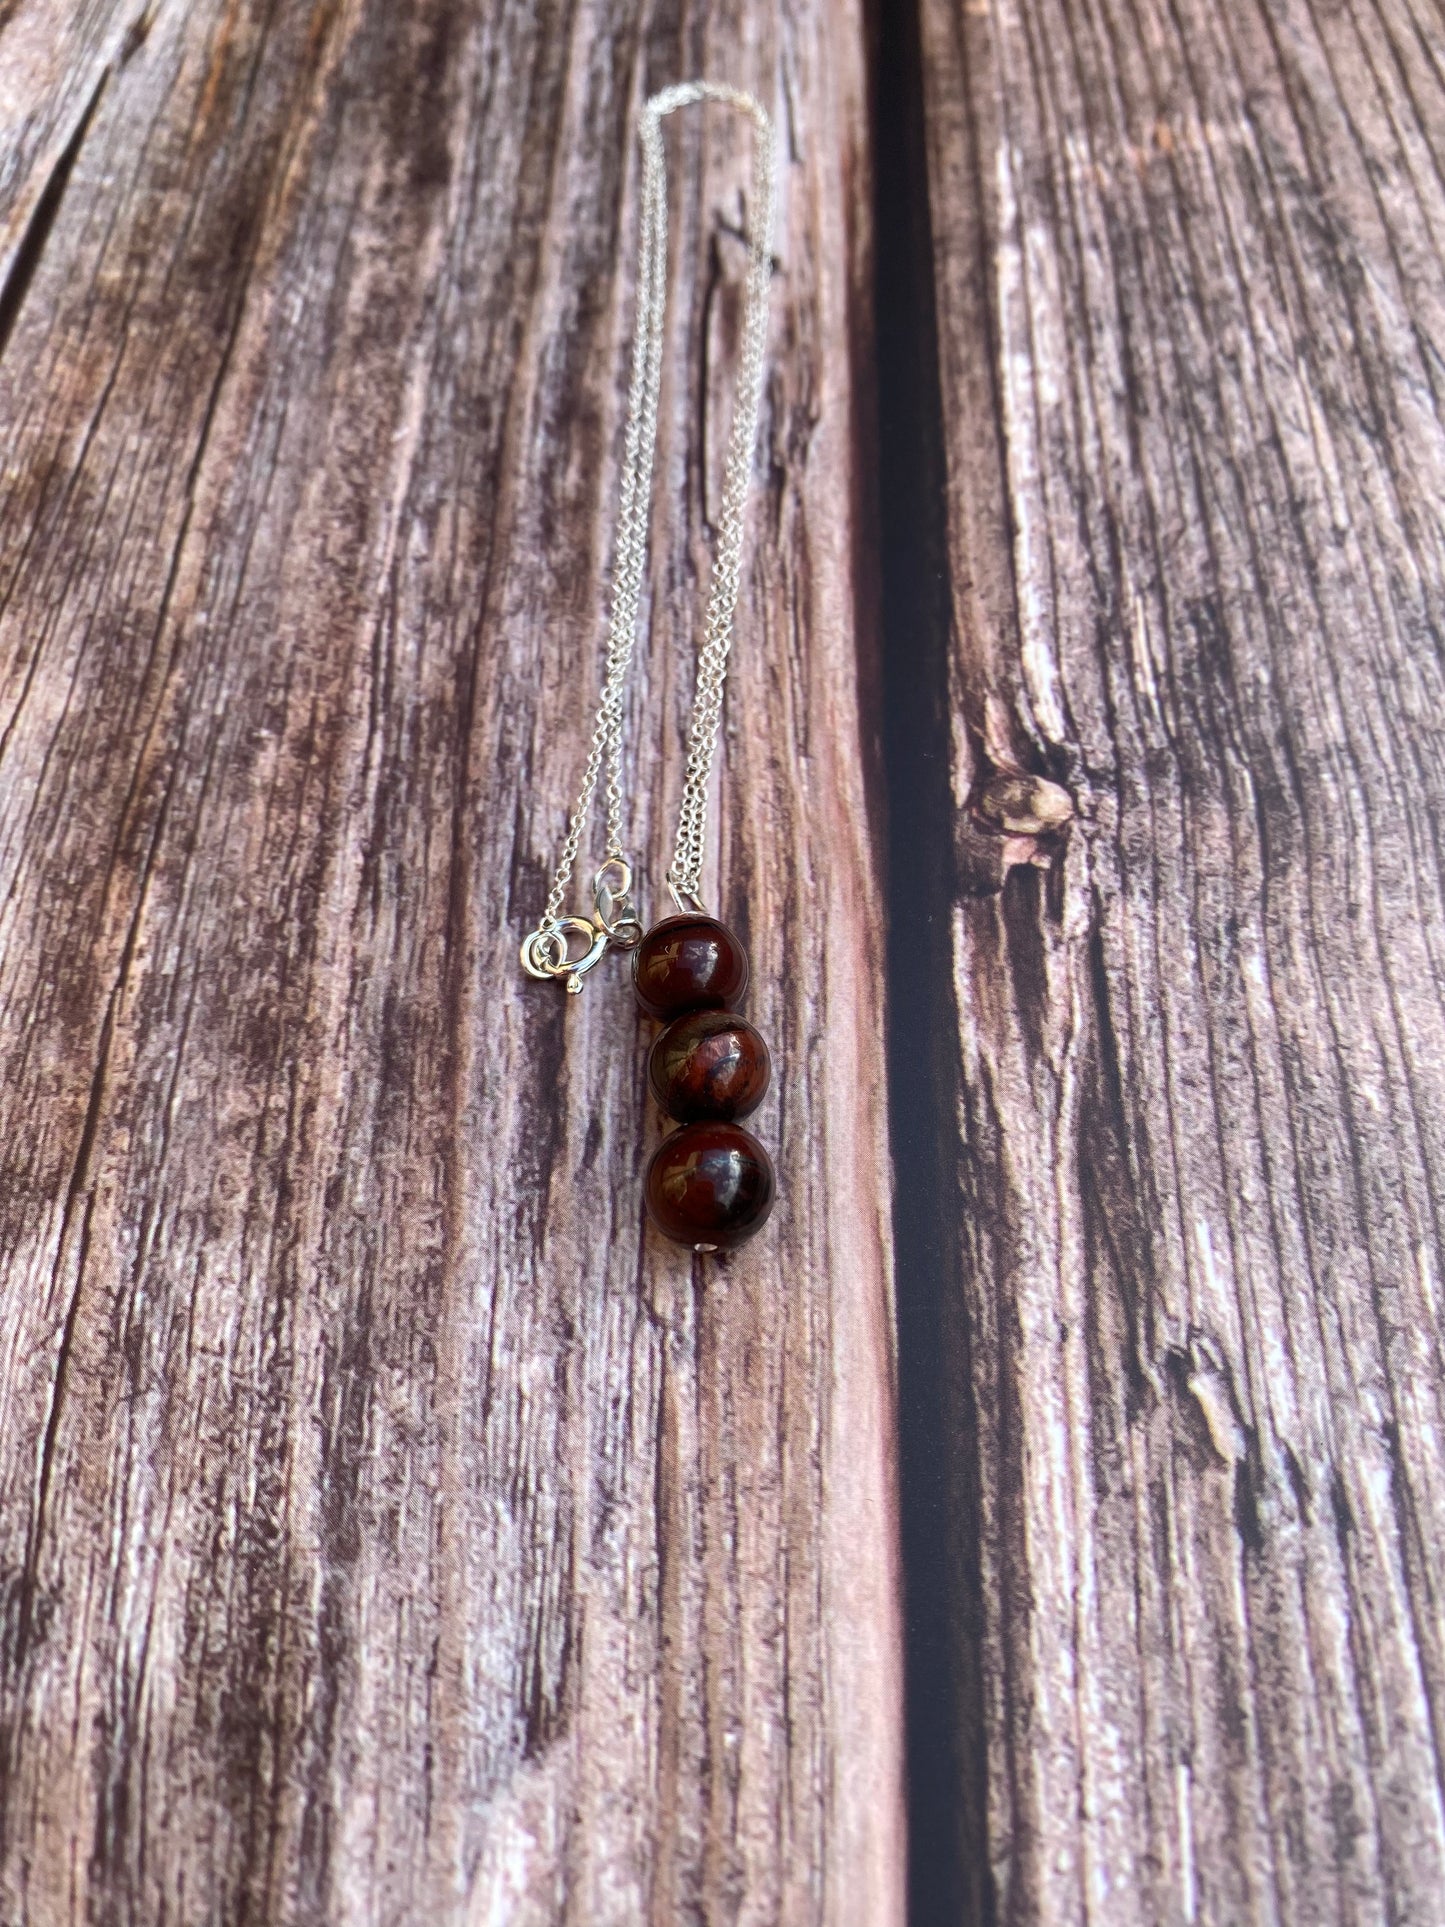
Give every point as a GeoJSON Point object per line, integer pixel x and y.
{"type": "Point", "coordinates": [389, 1529]}
{"type": "Point", "coordinates": [1190, 293]}
{"type": "Point", "coordinates": [54, 60]}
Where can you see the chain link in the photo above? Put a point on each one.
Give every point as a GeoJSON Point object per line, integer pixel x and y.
{"type": "Point", "coordinates": [546, 946]}
{"type": "Point", "coordinates": [685, 874]}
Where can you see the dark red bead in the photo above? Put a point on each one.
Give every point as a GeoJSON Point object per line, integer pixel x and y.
{"type": "Point", "coordinates": [709, 1063]}
{"type": "Point", "coordinates": [688, 963]}
{"type": "Point", "coordinates": [709, 1186]}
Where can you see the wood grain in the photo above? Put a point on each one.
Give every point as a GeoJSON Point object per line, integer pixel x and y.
{"type": "Point", "coordinates": [54, 62]}
{"type": "Point", "coordinates": [388, 1529]}
{"type": "Point", "coordinates": [1190, 294]}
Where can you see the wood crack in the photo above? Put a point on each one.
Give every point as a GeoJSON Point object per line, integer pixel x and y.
{"type": "Point", "coordinates": [24, 258]}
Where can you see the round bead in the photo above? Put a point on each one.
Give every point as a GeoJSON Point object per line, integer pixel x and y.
{"type": "Point", "coordinates": [709, 1063]}
{"type": "Point", "coordinates": [688, 963]}
{"type": "Point", "coordinates": [709, 1186]}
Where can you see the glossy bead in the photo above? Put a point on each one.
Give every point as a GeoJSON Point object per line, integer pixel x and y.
{"type": "Point", "coordinates": [688, 963]}
{"type": "Point", "coordinates": [709, 1186]}
{"type": "Point", "coordinates": [709, 1063]}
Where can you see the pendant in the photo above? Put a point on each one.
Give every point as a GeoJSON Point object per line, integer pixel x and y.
{"type": "Point", "coordinates": [710, 1184]}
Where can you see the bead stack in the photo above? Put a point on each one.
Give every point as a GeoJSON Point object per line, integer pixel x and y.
{"type": "Point", "coordinates": [710, 1184]}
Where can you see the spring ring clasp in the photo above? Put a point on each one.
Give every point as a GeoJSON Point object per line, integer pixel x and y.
{"type": "Point", "coordinates": [548, 950]}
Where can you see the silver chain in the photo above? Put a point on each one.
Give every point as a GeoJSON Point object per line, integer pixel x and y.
{"type": "Point", "coordinates": [545, 953]}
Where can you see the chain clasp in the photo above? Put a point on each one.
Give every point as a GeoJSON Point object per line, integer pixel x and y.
{"type": "Point", "coordinates": [612, 894]}
{"type": "Point", "coordinates": [547, 951]}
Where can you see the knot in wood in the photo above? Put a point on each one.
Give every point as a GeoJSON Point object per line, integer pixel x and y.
{"type": "Point", "coordinates": [1024, 805]}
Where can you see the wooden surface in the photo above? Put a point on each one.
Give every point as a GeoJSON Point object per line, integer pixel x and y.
{"type": "Point", "coordinates": [388, 1530]}
{"type": "Point", "coordinates": [1189, 296]}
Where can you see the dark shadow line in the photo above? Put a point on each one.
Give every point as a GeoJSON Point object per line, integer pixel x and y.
{"type": "Point", "coordinates": [945, 1742]}
{"type": "Point", "coordinates": [37, 230]}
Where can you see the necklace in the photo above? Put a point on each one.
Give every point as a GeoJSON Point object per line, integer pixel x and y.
{"type": "Point", "coordinates": [710, 1184]}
